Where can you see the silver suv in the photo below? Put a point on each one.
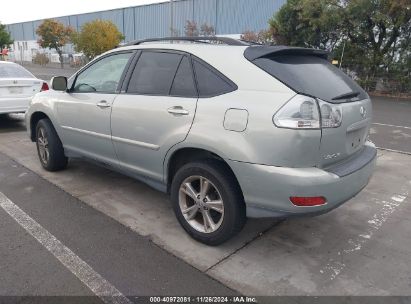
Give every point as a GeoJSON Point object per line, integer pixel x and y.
{"type": "Point", "coordinates": [230, 130]}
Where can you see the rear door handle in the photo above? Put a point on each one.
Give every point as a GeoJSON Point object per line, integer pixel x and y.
{"type": "Point", "coordinates": [178, 110]}
{"type": "Point", "coordinates": [103, 104]}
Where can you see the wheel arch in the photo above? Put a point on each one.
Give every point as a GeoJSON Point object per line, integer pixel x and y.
{"type": "Point", "coordinates": [34, 119]}
{"type": "Point", "coordinates": [184, 155]}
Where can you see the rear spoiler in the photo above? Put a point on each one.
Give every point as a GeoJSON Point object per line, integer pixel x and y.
{"type": "Point", "coordinates": [254, 52]}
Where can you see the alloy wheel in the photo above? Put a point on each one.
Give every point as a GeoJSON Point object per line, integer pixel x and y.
{"type": "Point", "coordinates": [43, 146]}
{"type": "Point", "coordinates": [201, 204]}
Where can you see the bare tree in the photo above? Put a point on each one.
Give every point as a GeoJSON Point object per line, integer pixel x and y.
{"type": "Point", "coordinates": [191, 29]}
{"type": "Point", "coordinates": [262, 37]}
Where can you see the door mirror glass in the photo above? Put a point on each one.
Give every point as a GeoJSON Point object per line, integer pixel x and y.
{"type": "Point", "coordinates": [59, 83]}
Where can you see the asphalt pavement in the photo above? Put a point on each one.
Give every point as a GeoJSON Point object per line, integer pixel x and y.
{"type": "Point", "coordinates": [391, 128]}
{"type": "Point", "coordinates": [131, 263]}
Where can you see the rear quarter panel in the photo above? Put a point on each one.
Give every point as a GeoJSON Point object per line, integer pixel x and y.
{"type": "Point", "coordinates": [261, 142]}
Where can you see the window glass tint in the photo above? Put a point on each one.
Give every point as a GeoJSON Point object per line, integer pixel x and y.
{"type": "Point", "coordinates": [311, 75]}
{"type": "Point", "coordinates": [183, 84]}
{"type": "Point", "coordinates": [209, 83]}
{"type": "Point", "coordinates": [103, 76]}
{"type": "Point", "coordinates": [8, 70]}
{"type": "Point", "coordinates": [154, 73]}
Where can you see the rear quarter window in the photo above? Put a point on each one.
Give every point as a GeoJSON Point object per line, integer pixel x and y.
{"type": "Point", "coordinates": [183, 83]}
{"type": "Point", "coordinates": [210, 82]}
{"type": "Point", "coordinates": [311, 75]}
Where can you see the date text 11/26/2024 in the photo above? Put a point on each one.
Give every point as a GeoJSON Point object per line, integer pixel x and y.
{"type": "Point", "coordinates": [203, 299]}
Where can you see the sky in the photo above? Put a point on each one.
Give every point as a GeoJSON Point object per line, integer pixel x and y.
{"type": "Point", "coordinates": [13, 11]}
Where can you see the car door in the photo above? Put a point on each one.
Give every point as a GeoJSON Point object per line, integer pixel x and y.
{"type": "Point", "coordinates": [155, 112]}
{"type": "Point", "coordinates": [84, 111]}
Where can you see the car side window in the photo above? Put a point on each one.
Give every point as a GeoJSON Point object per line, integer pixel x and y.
{"type": "Point", "coordinates": [209, 82]}
{"type": "Point", "coordinates": [103, 76]}
{"type": "Point", "coordinates": [154, 73]}
{"type": "Point", "coordinates": [183, 84]}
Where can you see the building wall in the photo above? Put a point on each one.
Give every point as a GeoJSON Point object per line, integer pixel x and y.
{"type": "Point", "coordinates": [228, 17]}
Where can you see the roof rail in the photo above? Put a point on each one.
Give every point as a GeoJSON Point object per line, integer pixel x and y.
{"type": "Point", "coordinates": [205, 39]}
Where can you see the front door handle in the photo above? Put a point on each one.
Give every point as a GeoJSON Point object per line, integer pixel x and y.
{"type": "Point", "coordinates": [103, 104]}
{"type": "Point", "coordinates": [178, 110]}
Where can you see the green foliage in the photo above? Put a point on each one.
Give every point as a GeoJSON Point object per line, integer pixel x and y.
{"type": "Point", "coordinates": [54, 35]}
{"type": "Point", "coordinates": [5, 39]}
{"type": "Point", "coordinates": [376, 33]}
{"type": "Point", "coordinates": [308, 23]}
{"type": "Point", "coordinates": [97, 37]}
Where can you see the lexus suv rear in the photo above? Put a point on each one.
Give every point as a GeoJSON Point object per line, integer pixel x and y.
{"type": "Point", "coordinates": [229, 131]}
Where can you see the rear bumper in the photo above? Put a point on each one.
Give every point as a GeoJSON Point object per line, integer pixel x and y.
{"type": "Point", "coordinates": [267, 189]}
{"type": "Point", "coordinates": [14, 105]}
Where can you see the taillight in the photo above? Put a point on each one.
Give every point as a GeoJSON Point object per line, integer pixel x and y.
{"type": "Point", "coordinates": [304, 112]}
{"type": "Point", "coordinates": [331, 115]}
{"type": "Point", "coordinates": [301, 112]}
{"type": "Point", "coordinates": [44, 87]}
{"type": "Point", "coordinates": [308, 201]}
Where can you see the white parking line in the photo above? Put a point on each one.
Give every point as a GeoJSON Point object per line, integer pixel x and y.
{"type": "Point", "coordinates": [393, 126]}
{"type": "Point", "coordinates": [94, 281]}
{"type": "Point", "coordinates": [393, 150]}
{"type": "Point", "coordinates": [336, 265]}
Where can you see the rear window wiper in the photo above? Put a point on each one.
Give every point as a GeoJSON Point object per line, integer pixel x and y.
{"type": "Point", "coordinates": [346, 95]}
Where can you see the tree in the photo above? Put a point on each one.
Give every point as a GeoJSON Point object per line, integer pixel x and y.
{"type": "Point", "coordinates": [308, 23]}
{"type": "Point", "coordinates": [191, 29]}
{"type": "Point", "coordinates": [375, 34]}
{"type": "Point", "coordinates": [97, 37]}
{"type": "Point", "coordinates": [54, 35]}
{"type": "Point", "coordinates": [5, 39]}
{"type": "Point", "coordinates": [261, 37]}
{"type": "Point", "coordinates": [379, 29]}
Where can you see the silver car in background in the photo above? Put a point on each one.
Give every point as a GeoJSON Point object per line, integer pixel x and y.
{"type": "Point", "coordinates": [17, 87]}
{"type": "Point", "coordinates": [230, 130]}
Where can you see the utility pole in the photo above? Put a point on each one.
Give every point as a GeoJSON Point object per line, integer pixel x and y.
{"type": "Point", "coordinates": [342, 54]}
{"type": "Point", "coordinates": [171, 18]}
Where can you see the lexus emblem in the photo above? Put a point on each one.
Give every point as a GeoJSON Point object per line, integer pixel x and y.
{"type": "Point", "coordinates": [363, 112]}
{"type": "Point", "coordinates": [14, 81]}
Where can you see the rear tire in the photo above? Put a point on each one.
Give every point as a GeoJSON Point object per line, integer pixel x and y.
{"type": "Point", "coordinates": [49, 147]}
{"type": "Point", "coordinates": [212, 215]}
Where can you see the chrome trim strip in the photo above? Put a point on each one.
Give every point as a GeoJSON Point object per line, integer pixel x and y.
{"type": "Point", "coordinates": [114, 138]}
{"type": "Point", "coordinates": [135, 143]}
{"type": "Point", "coordinates": [87, 132]}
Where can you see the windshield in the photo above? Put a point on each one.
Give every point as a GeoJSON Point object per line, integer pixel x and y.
{"type": "Point", "coordinates": [14, 71]}
{"type": "Point", "coordinates": [313, 76]}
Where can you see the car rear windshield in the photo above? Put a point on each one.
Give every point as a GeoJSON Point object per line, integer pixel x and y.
{"type": "Point", "coordinates": [14, 71]}
{"type": "Point", "coordinates": [313, 76]}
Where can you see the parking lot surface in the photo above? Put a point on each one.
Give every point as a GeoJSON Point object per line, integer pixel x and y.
{"type": "Point", "coordinates": [114, 254]}
{"type": "Point", "coordinates": [391, 128]}
{"type": "Point", "coordinates": [361, 248]}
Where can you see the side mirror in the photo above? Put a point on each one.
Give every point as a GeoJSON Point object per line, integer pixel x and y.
{"type": "Point", "coordinates": [59, 83]}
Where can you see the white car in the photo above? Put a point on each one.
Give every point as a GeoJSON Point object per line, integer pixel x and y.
{"type": "Point", "coordinates": [17, 87]}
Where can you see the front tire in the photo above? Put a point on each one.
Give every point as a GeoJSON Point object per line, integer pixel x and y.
{"type": "Point", "coordinates": [49, 147]}
{"type": "Point", "coordinates": [208, 202]}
